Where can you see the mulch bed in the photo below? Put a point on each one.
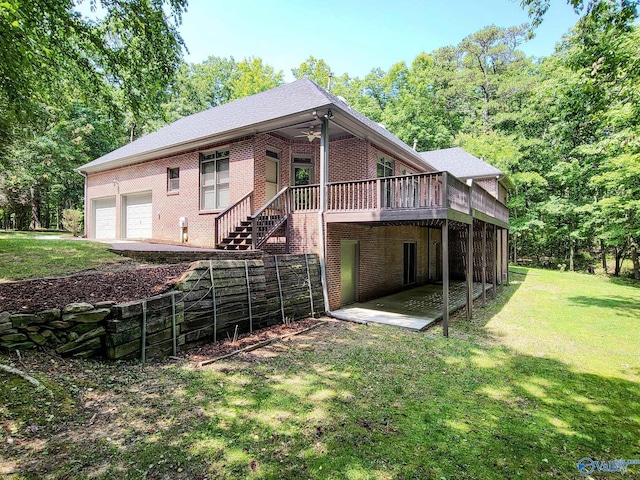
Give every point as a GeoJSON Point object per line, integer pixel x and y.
{"type": "Point", "coordinates": [30, 296]}
{"type": "Point", "coordinates": [214, 350]}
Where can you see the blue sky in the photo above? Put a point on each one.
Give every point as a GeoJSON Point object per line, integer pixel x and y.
{"type": "Point", "coordinates": [353, 36]}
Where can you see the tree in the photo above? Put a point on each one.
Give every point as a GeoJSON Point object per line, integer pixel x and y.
{"type": "Point", "coordinates": [128, 57]}
{"type": "Point", "coordinates": [39, 171]}
{"type": "Point", "coordinates": [253, 76]}
{"type": "Point", "coordinates": [626, 10]}
{"type": "Point", "coordinates": [315, 69]}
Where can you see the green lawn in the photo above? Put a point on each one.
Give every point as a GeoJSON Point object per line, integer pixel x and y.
{"type": "Point", "coordinates": [547, 375]}
{"type": "Point", "coordinates": [32, 255]}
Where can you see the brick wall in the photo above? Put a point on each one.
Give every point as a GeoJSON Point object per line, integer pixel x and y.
{"type": "Point", "coordinates": [303, 233]}
{"type": "Point", "coordinates": [380, 258]}
{"type": "Point", "coordinates": [350, 159]}
{"type": "Point", "coordinates": [435, 247]}
{"type": "Point", "coordinates": [168, 207]}
{"type": "Point", "coordinates": [489, 184]}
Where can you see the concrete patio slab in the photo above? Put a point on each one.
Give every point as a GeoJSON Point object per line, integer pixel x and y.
{"type": "Point", "coordinates": [415, 309]}
{"type": "Point", "coordinates": [131, 245]}
{"type": "Point", "coordinates": [366, 315]}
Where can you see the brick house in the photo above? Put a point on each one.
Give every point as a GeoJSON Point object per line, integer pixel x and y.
{"type": "Point", "coordinates": [296, 170]}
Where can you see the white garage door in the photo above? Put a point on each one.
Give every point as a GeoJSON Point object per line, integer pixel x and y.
{"type": "Point", "coordinates": [104, 214]}
{"type": "Point", "coordinates": [139, 214]}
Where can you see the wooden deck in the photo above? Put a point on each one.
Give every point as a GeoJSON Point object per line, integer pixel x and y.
{"type": "Point", "coordinates": [406, 198]}
{"type": "Point", "coordinates": [424, 197]}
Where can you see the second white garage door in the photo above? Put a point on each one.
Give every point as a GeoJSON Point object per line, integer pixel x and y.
{"type": "Point", "coordinates": [138, 216]}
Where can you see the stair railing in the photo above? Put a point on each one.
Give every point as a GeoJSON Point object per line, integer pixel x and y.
{"type": "Point", "coordinates": [232, 216]}
{"type": "Point", "coordinates": [270, 217]}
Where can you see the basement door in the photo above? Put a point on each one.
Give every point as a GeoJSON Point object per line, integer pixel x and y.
{"type": "Point", "coordinates": [348, 271]}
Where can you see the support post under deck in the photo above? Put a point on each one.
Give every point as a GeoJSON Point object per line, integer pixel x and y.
{"type": "Point", "coordinates": [445, 278]}
{"type": "Point", "coordinates": [470, 271]}
{"type": "Point", "coordinates": [484, 264]}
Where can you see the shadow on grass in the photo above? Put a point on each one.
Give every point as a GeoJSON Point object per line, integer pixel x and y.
{"type": "Point", "coordinates": [625, 281]}
{"type": "Point", "coordinates": [624, 305]}
{"type": "Point", "coordinates": [346, 401]}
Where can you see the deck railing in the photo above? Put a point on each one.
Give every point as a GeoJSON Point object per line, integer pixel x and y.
{"type": "Point", "coordinates": [484, 202]}
{"type": "Point", "coordinates": [457, 194]}
{"type": "Point", "coordinates": [403, 192]}
{"type": "Point", "coordinates": [424, 190]}
{"type": "Point", "coordinates": [269, 218]}
{"type": "Point", "coordinates": [438, 190]}
{"type": "Point", "coordinates": [305, 198]}
{"type": "Point", "coordinates": [231, 217]}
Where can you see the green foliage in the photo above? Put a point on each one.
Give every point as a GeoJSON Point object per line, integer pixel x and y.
{"type": "Point", "coordinates": [626, 10]}
{"type": "Point", "coordinates": [49, 50]}
{"type": "Point", "coordinates": [215, 81]}
{"type": "Point", "coordinates": [520, 391]}
{"type": "Point", "coordinates": [315, 69]}
{"type": "Point", "coordinates": [72, 221]}
{"type": "Point", "coordinates": [26, 255]}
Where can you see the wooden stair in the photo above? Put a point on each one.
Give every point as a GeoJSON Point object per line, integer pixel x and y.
{"type": "Point", "coordinates": [240, 238]}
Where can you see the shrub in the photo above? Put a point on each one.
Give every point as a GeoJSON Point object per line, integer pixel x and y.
{"type": "Point", "coordinates": [72, 220]}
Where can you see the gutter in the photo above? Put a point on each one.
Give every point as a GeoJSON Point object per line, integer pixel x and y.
{"type": "Point", "coordinates": [84, 210]}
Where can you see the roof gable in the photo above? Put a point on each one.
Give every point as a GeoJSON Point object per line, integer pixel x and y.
{"type": "Point", "coordinates": [243, 117]}
{"type": "Point", "coordinates": [278, 102]}
{"type": "Point", "coordinates": [460, 163]}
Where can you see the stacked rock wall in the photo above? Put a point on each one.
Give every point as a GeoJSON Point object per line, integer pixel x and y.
{"type": "Point", "coordinates": [214, 300]}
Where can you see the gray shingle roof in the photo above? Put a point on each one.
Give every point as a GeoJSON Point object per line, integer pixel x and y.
{"type": "Point", "coordinates": [290, 99]}
{"type": "Point", "coordinates": [462, 164]}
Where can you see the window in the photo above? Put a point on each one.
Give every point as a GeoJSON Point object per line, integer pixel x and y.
{"type": "Point", "coordinates": [385, 169]}
{"type": "Point", "coordinates": [173, 179]}
{"type": "Point", "coordinates": [214, 180]}
{"type": "Point", "coordinates": [302, 170]}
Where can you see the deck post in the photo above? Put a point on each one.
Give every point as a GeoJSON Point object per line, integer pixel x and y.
{"type": "Point", "coordinates": [484, 263]}
{"type": "Point", "coordinates": [500, 260]}
{"type": "Point", "coordinates": [470, 271]}
{"type": "Point", "coordinates": [506, 244]}
{"type": "Point", "coordinates": [322, 226]}
{"type": "Point", "coordinates": [494, 262]}
{"type": "Point", "coordinates": [445, 278]}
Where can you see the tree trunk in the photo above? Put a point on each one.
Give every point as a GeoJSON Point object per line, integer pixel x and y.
{"type": "Point", "coordinates": [618, 252]}
{"type": "Point", "coordinates": [636, 263]}
{"type": "Point", "coordinates": [35, 208]}
{"type": "Point", "coordinates": [571, 255]}
{"type": "Point", "coordinates": [603, 252]}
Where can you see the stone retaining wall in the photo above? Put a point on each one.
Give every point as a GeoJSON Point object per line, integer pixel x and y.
{"type": "Point", "coordinates": [213, 300]}
{"type": "Point", "coordinates": [75, 330]}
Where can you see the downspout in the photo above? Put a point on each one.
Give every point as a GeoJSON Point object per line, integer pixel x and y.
{"type": "Point", "coordinates": [324, 170]}
{"type": "Point", "coordinates": [86, 181]}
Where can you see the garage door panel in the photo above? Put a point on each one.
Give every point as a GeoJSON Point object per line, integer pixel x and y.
{"type": "Point", "coordinates": [139, 216]}
{"type": "Point", "coordinates": [105, 218]}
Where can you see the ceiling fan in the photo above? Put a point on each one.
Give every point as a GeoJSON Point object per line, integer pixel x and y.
{"type": "Point", "coordinates": [310, 133]}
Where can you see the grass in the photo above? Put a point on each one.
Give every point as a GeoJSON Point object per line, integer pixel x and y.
{"type": "Point", "coordinates": [32, 255]}
{"type": "Point", "coordinates": [544, 376]}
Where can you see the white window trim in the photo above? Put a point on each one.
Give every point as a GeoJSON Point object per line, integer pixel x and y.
{"type": "Point", "coordinates": [169, 179]}
{"type": "Point", "coordinates": [293, 165]}
{"type": "Point", "coordinates": [203, 160]}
